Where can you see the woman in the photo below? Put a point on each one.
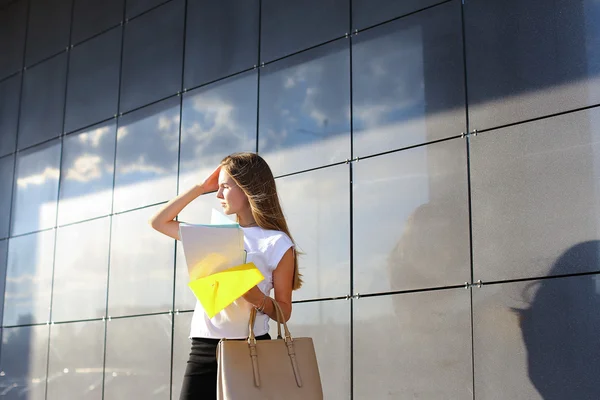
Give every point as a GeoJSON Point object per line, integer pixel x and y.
{"type": "Point", "coordinates": [245, 185]}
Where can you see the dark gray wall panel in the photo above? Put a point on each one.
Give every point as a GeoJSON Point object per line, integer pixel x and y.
{"type": "Point", "coordinates": [135, 7]}
{"type": "Point", "coordinates": [221, 39]}
{"type": "Point", "coordinates": [91, 17]}
{"type": "Point", "coordinates": [415, 345]}
{"type": "Point", "coordinates": [370, 12]}
{"type": "Point", "coordinates": [287, 27]}
{"type": "Point", "coordinates": [152, 56]}
{"type": "Point", "coordinates": [93, 83]}
{"type": "Point", "coordinates": [42, 106]}
{"type": "Point", "coordinates": [324, 238]}
{"type": "Point", "coordinates": [304, 112]}
{"type": "Point", "coordinates": [10, 93]}
{"type": "Point", "coordinates": [527, 59]}
{"type": "Point", "coordinates": [411, 219]}
{"type": "Point", "coordinates": [49, 29]}
{"type": "Point", "coordinates": [6, 190]}
{"type": "Point", "coordinates": [539, 339]}
{"type": "Point", "coordinates": [13, 24]}
{"type": "Point", "coordinates": [534, 194]}
{"type": "Point", "coordinates": [408, 81]}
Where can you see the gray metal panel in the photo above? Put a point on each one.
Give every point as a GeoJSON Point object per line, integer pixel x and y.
{"type": "Point", "coordinates": [76, 360]}
{"type": "Point", "coordinates": [81, 271]}
{"type": "Point", "coordinates": [152, 56]}
{"type": "Point", "coordinates": [304, 111]}
{"type": "Point", "coordinates": [527, 59]}
{"type": "Point", "coordinates": [93, 82]}
{"type": "Point", "coordinates": [415, 345]}
{"type": "Point", "coordinates": [535, 193]}
{"type": "Point", "coordinates": [408, 81]}
{"type": "Point", "coordinates": [132, 372]}
{"type": "Point", "coordinates": [537, 340]}
{"type": "Point", "coordinates": [141, 266]}
{"type": "Point", "coordinates": [317, 208]}
{"type": "Point", "coordinates": [147, 152]}
{"type": "Point", "coordinates": [36, 188]}
{"type": "Point", "coordinates": [288, 27]}
{"type": "Point", "coordinates": [411, 221]}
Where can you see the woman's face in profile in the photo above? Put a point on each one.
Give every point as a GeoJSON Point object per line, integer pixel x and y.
{"type": "Point", "coordinates": [233, 199]}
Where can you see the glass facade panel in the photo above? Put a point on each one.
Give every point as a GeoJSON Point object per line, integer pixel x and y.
{"type": "Point", "coordinates": [415, 345]}
{"type": "Point", "coordinates": [147, 151]}
{"type": "Point", "coordinates": [93, 85]}
{"type": "Point", "coordinates": [10, 93]}
{"type": "Point", "coordinates": [370, 12]}
{"type": "Point", "coordinates": [13, 26]}
{"type": "Point", "coordinates": [519, 68]}
{"type": "Point", "coordinates": [76, 361]}
{"type": "Point", "coordinates": [36, 188]}
{"type": "Point", "coordinates": [91, 17]}
{"type": "Point", "coordinates": [304, 109]}
{"type": "Point", "coordinates": [135, 7]}
{"type": "Point", "coordinates": [111, 108]}
{"type": "Point", "coordinates": [87, 174]}
{"type": "Point", "coordinates": [288, 27]}
{"type": "Point", "coordinates": [328, 324]}
{"type": "Point", "coordinates": [141, 266]}
{"type": "Point", "coordinates": [29, 279]}
{"type": "Point", "coordinates": [322, 238]}
{"type": "Point", "coordinates": [539, 335]}
{"type": "Point", "coordinates": [3, 256]}
{"type": "Point", "coordinates": [221, 39]}
{"type": "Point", "coordinates": [408, 81]}
{"type": "Point", "coordinates": [24, 377]}
{"type": "Point", "coordinates": [6, 189]}
{"type": "Point", "coordinates": [417, 235]}
{"type": "Point", "coordinates": [218, 119]}
{"type": "Point", "coordinates": [131, 372]}
{"type": "Point", "coordinates": [152, 56]}
{"type": "Point", "coordinates": [42, 105]}
{"type": "Point", "coordinates": [81, 271]}
{"type": "Point", "coordinates": [181, 349]}
{"type": "Point", "coordinates": [523, 210]}
{"type": "Point", "coordinates": [49, 29]}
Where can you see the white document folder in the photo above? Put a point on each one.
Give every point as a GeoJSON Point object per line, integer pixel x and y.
{"type": "Point", "coordinates": [209, 249]}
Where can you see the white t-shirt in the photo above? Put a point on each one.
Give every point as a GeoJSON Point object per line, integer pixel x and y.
{"type": "Point", "coordinates": [265, 248]}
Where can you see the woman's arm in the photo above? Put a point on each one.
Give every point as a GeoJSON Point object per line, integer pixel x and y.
{"type": "Point", "coordinates": [283, 278]}
{"type": "Point", "coordinates": [164, 220]}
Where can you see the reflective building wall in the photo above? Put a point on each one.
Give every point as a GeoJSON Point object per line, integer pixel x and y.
{"type": "Point", "coordinates": [438, 163]}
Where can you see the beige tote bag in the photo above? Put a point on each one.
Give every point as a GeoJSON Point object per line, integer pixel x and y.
{"type": "Point", "coordinates": [281, 369]}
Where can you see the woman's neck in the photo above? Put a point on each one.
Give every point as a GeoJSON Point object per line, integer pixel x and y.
{"type": "Point", "coordinates": [246, 220]}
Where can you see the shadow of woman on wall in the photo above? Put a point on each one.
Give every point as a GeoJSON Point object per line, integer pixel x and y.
{"type": "Point", "coordinates": [561, 328]}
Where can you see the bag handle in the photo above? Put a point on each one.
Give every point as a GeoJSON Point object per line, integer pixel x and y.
{"type": "Point", "coordinates": [280, 320]}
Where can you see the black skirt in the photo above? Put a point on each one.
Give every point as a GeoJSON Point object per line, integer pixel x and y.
{"type": "Point", "coordinates": [200, 378]}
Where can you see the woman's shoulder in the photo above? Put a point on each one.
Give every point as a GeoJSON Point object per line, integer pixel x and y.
{"type": "Point", "coordinates": [266, 239]}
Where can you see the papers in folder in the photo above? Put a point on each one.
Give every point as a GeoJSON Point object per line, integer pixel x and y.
{"type": "Point", "coordinates": [216, 263]}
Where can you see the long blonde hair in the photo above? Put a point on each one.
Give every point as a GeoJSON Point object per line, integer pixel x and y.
{"type": "Point", "coordinates": [253, 175]}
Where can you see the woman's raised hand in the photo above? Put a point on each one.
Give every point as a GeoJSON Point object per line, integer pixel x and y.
{"type": "Point", "coordinates": [164, 220]}
{"type": "Point", "coordinates": [211, 184]}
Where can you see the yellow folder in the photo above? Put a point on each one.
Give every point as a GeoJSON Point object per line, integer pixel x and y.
{"type": "Point", "coordinates": [217, 291]}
